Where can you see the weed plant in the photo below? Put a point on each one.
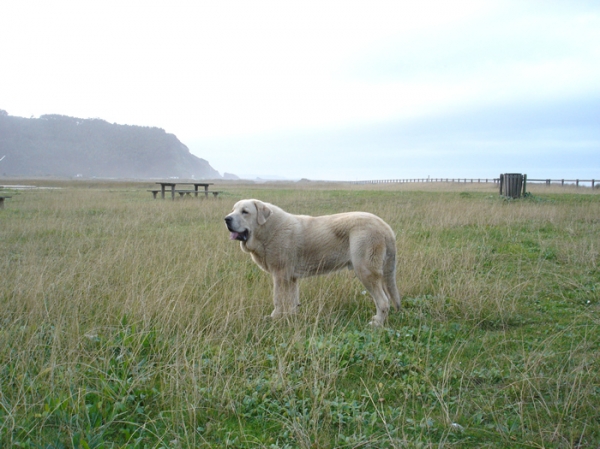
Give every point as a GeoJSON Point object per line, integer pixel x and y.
{"type": "Point", "coordinates": [128, 322]}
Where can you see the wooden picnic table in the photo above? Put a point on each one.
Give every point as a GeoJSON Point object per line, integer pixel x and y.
{"type": "Point", "coordinates": [171, 186]}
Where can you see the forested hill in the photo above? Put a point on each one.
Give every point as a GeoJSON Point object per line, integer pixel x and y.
{"type": "Point", "coordinates": [57, 145]}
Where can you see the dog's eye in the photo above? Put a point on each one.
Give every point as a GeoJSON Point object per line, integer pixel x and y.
{"type": "Point", "coordinates": [244, 212]}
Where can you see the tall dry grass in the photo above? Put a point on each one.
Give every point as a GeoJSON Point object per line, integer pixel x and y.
{"type": "Point", "coordinates": [110, 297]}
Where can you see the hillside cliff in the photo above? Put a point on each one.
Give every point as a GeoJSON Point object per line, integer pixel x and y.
{"type": "Point", "coordinates": [57, 145]}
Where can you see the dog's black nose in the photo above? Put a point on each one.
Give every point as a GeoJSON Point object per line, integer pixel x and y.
{"type": "Point", "coordinates": [228, 220]}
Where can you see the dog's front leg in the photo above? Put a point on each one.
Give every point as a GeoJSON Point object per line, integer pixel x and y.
{"type": "Point", "coordinates": [286, 296]}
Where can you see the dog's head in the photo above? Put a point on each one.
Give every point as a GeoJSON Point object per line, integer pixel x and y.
{"type": "Point", "coordinates": [245, 217]}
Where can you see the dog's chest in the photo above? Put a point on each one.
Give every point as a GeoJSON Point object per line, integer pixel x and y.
{"type": "Point", "coordinates": [260, 261]}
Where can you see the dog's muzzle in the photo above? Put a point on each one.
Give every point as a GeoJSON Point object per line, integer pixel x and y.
{"type": "Point", "coordinates": [235, 235]}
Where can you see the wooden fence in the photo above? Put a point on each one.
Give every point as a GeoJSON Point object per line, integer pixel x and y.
{"type": "Point", "coordinates": [577, 182]}
{"type": "Point", "coordinates": [402, 181]}
{"type": "Point", "coordinates": [562, 182]}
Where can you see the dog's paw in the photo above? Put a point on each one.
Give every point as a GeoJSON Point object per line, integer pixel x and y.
{"type": "Point", "coordinates": [275, 315]}
{"type": "Point", "coordinates": [375, 322]}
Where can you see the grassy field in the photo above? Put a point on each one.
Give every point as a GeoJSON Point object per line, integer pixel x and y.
{"type": "Point", "coordinates": [132, 322]}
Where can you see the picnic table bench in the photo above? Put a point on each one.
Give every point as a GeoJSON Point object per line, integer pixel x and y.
{"type": "Point", "coordinates": [187, 192]}
{"type": "Point", "coordinates": [172, 188]}
{"type": "Point", "coordinates": [2, 198]}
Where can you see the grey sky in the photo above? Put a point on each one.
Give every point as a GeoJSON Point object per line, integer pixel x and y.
{"type": "Point", "coordinates": [324, 90]}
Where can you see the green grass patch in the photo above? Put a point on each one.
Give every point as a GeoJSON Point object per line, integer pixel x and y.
{"type": "Point", "coordinates": [135, 323]}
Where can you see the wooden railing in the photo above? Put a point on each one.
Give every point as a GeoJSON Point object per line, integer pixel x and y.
{"type": "Point", "coordinates": [401, 181]}
{"type": "Point", "coordinates": [563, 181]}
{"type": "Point", "coordinates": [577, 182]}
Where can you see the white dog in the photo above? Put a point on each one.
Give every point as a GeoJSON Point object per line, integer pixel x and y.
{"type": "Point", "coordinates": [290, 247]}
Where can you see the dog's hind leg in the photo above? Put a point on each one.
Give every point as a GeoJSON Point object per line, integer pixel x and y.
{"type": "Point", "coordinates": [373, 281]}
{"type": "Point", "coordinates": [370, 265]}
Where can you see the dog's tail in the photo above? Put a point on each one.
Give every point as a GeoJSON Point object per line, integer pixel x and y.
{"type": "Point", "coordinates": [389, 276]}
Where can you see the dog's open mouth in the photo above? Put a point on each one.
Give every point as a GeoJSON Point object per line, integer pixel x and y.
{"type": "Point", "coordinates": [242, 236]}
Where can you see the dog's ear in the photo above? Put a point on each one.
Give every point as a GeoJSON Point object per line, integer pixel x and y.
{"type": "Point", "coordinates": [263, 212]}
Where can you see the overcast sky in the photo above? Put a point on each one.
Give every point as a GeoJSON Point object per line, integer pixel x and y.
{"type": "Point", "coordinates": [337, 90]}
